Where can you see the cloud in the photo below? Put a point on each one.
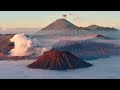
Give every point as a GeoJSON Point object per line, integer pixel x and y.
{"type": "Point", "coordinates": [64, 16]}
{"type": "Point", "coordinates": [22, 45]}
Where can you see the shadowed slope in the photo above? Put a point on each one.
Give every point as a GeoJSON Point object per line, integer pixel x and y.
{"type": "Point", "coordinates": [88, 50]}
{"type": "Point", "coordinates": [5, 44]}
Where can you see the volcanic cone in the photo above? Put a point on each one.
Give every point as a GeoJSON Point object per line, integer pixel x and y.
{"type": "Point", "coordinates": [59, 60]}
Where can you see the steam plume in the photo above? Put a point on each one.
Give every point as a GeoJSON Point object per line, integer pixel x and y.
{"type": "Point", "coordinates": [64, 16]}
{"type": "Point", "coordinates": [22, 45]}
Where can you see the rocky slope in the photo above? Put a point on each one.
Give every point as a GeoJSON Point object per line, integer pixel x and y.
{"type": "Point", "coordinates": [59, 60]}
{"type": "Point", "coordinates": [5, 44]}
{"type": "Point", "coordinates": [88, 50]}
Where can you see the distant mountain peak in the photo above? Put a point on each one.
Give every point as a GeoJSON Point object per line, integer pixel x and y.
{"type": "Point", "coordinates": [101, 37]}
{"type": "Point", "coordinates": [93, 27]}
{"type": "Point", "coordinates": [64, 27]}
{"type": "Point", "coordinates": [60, 24]}
{"type": "Point", "coordinates": [96, 27]}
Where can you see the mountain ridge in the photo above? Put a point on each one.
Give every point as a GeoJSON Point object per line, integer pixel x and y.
{"type": "Point", "coordinates": [64, 21]}
{"type": "Point", "coordinates": [97, 27]}
{"type": "Point", "coordinates": [65, 25]}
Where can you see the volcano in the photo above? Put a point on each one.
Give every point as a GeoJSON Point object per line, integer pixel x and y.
{"type": "Point", "coordinates": [60, 24]}
{"type": "Point", "coordinates": [62, 27]}
{"type": "Point", "coordinates": [88, 49]}
{"type": "Point", "coordinates": [59, 60]}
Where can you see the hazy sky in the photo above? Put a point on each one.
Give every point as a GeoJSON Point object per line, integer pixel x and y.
{"type": "Point", "coordinates": [40, 19]}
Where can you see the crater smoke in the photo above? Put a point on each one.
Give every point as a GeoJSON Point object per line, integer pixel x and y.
{"type": "Point", "coordinates": [22, 45]}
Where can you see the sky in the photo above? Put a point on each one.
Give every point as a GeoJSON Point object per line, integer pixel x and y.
{"type": "Point", "coordinates": [40, 19]}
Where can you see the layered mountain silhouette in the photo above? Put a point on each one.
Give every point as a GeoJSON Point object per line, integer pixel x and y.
{"type": "Point", "coordinates": [59, 60]}
{"type": "Point", "coordinates": [96, 27]}
{"type": "Point", "coordinates": [88, 50]}
{"type": "Point", "coordinates": [61, 26]}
